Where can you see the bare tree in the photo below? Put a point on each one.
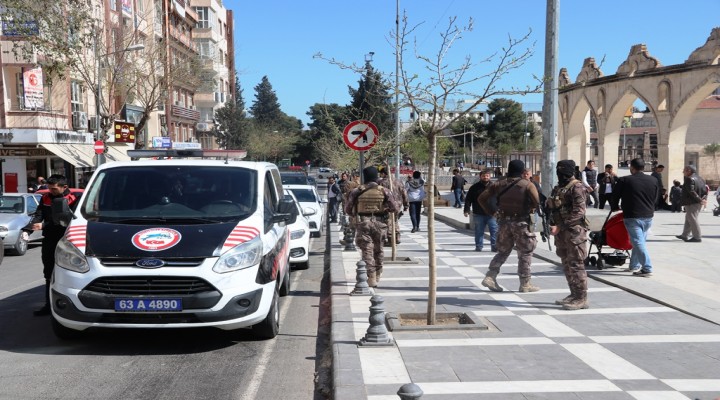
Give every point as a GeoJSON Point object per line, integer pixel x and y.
{"type": "Point", "coordinates": [435, 89]}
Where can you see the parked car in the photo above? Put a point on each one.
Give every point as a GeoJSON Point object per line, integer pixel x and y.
{"type": "Point", "coordinates": [324, 172]}
{"type": "Point", "coordinates": [294, 178]}
{"type": "Point", "coordinates": [308, 197]}
{"type": "Point", "coordinates": [300, 235]}
{"type": "Point", "coordinates": [175, 243]}
{"type": "Point", "coordinates": [312, 180]}
{"type": "Point", "coordinates": [15, 210]}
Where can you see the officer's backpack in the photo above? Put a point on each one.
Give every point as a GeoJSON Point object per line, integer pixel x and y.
{"type": "Point", "coordinates": [370, 201]}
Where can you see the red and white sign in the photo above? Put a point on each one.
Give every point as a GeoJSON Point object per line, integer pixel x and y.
{"type": "Point", "coordinates": [99, 147]}
{"type": "Point", "coordinates": [33, 88]}
{"type": "Point", "coordinates": [156, 239]}
{"type": "Point", "coordinates": [360, 135]}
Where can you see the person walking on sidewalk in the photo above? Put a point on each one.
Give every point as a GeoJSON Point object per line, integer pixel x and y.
{"type": "Point", "coordinates": [567, 206]}
{"type": "Point", "coordinates": [415, 189]}
{"type": "Point", "coordinates": [636, 194]}
{"type": "Point", "coordinates": [372, 205]}
{"type": "Point", "coordinates": [457, 187]}
{"type": "Point", "coordinates": [333, 196]}
{"type": "Point", "coordinates": [480, 217]}
{"type": "Point", "coordinates": [516, 200]}
{"type": "Point", "coordinates": [52, 227]}
{"type": "Point", "coordinates": [589, 179]}
{"type": "Point", "coordinates": [693, 198]}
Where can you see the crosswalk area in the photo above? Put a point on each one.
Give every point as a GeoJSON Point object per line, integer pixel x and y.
{"type": "Point", "coordinates": [622, 347]}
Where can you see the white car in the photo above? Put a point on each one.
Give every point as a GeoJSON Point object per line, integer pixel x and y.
{"type": "Point", "coordinates": [175, 243]}
{"type": "Point", "coordinates": [308, 197]}
{"type": "Point", "coordinates": [15, 212]}
{"type": "Point", "coordinates": [300, 235]}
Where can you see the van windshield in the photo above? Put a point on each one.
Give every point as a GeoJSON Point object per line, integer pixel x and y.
{"type": "Point", "coordinates": [171, 193]}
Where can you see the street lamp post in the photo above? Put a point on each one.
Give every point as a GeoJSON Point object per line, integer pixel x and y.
{"type": "Point", "coordinates": [98, 100]}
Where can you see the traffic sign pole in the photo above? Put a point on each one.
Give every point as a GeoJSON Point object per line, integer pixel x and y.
{"type": "Point", "coordinates": [362, 167]}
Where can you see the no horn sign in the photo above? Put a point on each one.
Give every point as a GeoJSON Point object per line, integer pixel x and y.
{"type": "Point", "coordinates": [360, 135]}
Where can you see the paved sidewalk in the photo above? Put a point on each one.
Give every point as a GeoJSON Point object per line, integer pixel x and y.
{"type": "Point", "coordinates": [642, 338]}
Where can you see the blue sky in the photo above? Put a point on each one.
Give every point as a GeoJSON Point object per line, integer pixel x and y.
{"type": "Point", "coordinates": [278, 38]}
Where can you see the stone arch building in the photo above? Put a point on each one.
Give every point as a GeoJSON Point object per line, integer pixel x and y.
{"type": "Point", "coordinates": [672, 93]}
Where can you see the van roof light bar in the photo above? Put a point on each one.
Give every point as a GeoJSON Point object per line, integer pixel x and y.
{"type": "Point", "coordinates": [185, 153]}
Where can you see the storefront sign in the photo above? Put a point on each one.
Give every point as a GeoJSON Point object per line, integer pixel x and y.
{"type": "Point", "coordinates": [24, 151]}
{"type": "Point", "coordinates": [161, 142]}
{"type": "Point", "coordinates": [186, 145]}
{"type": "Point", "coordinates": [33, 88]}
{"type": "Point", "coordinates": [124, 132]}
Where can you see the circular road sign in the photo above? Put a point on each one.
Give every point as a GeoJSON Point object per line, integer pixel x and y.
{"type": "Point", "coordinates": [360, 135]}
{"type": "Point", "coordinates": [99, 147]}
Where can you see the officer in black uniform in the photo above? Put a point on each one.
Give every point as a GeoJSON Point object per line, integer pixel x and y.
{"type": "Point", "coordinates": [53, 227]}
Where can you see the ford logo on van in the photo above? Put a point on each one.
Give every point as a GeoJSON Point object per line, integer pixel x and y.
{"type": "Point", "coordinates": [149, 263]}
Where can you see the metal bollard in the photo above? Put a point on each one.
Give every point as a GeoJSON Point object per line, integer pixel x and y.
{"type": "Point", "coordinates": [361, 285]}
{"type": "Point", "coordinates": [349, 238]}
{"type": "Point", "coordinates": [410, 391]}
{"type": "Point", "coordinates": [377, 333]}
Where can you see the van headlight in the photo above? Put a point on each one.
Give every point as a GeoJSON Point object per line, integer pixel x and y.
{"type": "Point", "coordinates": [297, 234]}
{"type": "Point", "coordinates": [241, 256]}
{"type": "Point", "coordinates": [70, 257]}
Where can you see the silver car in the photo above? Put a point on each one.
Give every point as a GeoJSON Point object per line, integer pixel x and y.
{"type": "Point", "coordinates": [15, 212]}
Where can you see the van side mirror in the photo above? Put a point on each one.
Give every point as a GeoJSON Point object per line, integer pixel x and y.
{"type": "Point", "coordinates": [287, 211]}
{"type": "Point", "coordinates": [61, 213]}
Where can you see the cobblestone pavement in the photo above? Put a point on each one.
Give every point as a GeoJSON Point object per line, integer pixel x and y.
{"type": "Point", "coordinates": [641, 338]}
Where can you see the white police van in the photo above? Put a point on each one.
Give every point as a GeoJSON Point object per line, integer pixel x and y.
{"type": "Point", "coordinates": [175, 243]}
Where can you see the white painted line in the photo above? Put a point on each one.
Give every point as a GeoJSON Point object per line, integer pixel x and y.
{"type": "Point", "coordinates": [550, 386]}
{"type": "Point", "coordinates": [383, 365]}
{"type": "Point", "coordinates": [657, 339]}
{"type": "Point", "coordinates": [549, 326]}
{"type": "Point", "coordinates": [514, 341]}
{"type": "Point", "coordinates": [454, 262]}
{"type": "Point", "coordinates": [619, 310]}
{"type": "Point", "coordinates": [511, 301]}
{"type": "Point", "coordinates": [469, 272]}
{"type": "Point", "coordinates": [440, 294]}
{"type": "Point", "coordinates": [657, 395]}
{"type": "Point", "coordinates": [420, 278]}
{"type": "Point", "coordinates": [490, 313]}
{"type": "Point", "coordinates": [693, 385]}
{"type": "Point", "coordinates": [606, 362]}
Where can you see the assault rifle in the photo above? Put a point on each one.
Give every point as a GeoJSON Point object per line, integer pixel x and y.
{"type": "Point", "coordinates": [545, 234]}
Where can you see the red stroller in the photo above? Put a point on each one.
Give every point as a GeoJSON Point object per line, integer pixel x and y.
{"type": "Point", "coordinates": [613, 234]}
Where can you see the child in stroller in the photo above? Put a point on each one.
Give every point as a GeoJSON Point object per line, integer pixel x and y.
{"type": "Point", "coordinates": [613, 234]}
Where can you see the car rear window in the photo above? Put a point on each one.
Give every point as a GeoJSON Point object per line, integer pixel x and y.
{"type": "Point", "coordinates": [294, 178]}
{"type": "Point", "coordinates": [172, 191]}
{"type": "Point", "coordinates": [304, 195]}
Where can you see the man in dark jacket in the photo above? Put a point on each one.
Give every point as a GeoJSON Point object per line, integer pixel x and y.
{"type": "Point", "coordinates": [636, 194]}
{"type": "Point", "coordinates": [53, 230]}
{"type": "Point", "coordinates": [457, 187]}
{"type": "Point", "coordinates": [606, 184]}
{"type": "Point", "coordinates": [657, 174]}
{"type": "Point", "coordinates": [480, 217]}
{"type": "Point", "coordinates": [693, 199]}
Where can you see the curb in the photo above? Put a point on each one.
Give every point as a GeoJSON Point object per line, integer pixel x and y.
{"type": "Point", "coordinates": [347, 376]}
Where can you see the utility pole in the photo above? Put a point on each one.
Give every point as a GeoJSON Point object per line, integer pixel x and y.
{"type": "Point", "coordinates": [397, 89]}
{"type": "Point", "coordinates": [550, 96]}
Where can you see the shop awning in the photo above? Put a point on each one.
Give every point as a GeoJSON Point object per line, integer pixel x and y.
{"type": "Point", "coordinates": [79, 155]}
{"type": "Point", "coordinates": [83, 155]}
{"type": "Point", "coordinates": [117, 152]}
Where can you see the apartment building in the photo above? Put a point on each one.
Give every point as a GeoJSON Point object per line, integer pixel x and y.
{"type": "Point", "coordinates": [49, 125]}
{"type": "Point", "coordinates": [214, 38]}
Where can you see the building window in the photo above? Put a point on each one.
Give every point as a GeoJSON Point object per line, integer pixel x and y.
{"type": "Point", "coordinates": [77, 94]}
{"type": "Point", "coordinates": [113, 5]}
{"type": "Point", "coordinates": [140, 5]}
{"type": "Point", "coordinates": [203, 21]}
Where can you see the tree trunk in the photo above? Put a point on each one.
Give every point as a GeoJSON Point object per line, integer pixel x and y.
{"type": "Point", "coordinates": [432, 266]}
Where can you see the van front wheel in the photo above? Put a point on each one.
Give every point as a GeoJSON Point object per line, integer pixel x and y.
{"type": "Point", "coordinates": [63, 332]}
{"type": "Point", "coordinates": [270, 326]}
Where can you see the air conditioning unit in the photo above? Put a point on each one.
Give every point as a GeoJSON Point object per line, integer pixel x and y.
{"type": "Point", "coordinates": [79, 120]}
{"type": "Point", "coordinates": [202, 127]}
